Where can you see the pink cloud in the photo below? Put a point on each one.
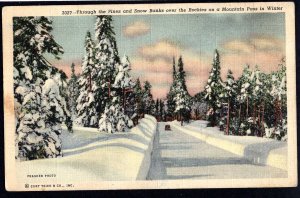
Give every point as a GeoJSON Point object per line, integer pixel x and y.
{"type": "Point", "coordinates": [136, 28]}
{"type": "Point", "coordinates": [163, 49]}
{"type": "Point", "coordinates": [254, 44]}
{"type": "Point", "coordinates": [155, 64]}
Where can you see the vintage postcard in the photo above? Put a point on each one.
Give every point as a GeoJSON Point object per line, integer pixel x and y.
{"type": "Point", "coordinates": [149, 96]}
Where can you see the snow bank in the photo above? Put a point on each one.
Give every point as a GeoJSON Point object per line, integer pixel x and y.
{"type": "Point", "coordinates": [255, 149]}
{"type": "Point", "coordinates": [93, 156]}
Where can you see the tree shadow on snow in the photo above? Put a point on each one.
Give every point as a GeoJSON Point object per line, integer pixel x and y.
{"type": "Point", "coordinates": [106, 146]}
{"type": "Point", "coordinates": [194, 162]}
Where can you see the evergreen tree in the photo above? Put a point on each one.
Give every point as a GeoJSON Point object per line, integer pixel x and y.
{"type": "Point", "coordinates": [170, 96]}
{"type": "Point", "coordinates": [213, 89]}
{"type": "Point", "coordinates": [162, 113]}
{"type": "Point", "coordinates": [73, 92]}
{"type": "Point", "coordinates": [182, 101]}
{"type": "Point", "coordinates": [147, 98]}
{"type": "Point", "coordinates": [87, 113]}
{"type": "Point", "coordinates": [157, 109]}
{"type": "Point", "coordinates": [106, 60]}
{"type": "Point", "coordinates": [113, 119]}
{"type": "Point", "coordinates": [279, 102]}
{"type": "Point", "coordinates": [138, 97]}
{"type": "Point", "coordinates": [37, 132]}
{"type": "Point", "coordinates": [245, 88]}
{"type": "Point", "coordinates": [181, 73]}
{"type": "Point", "coordinates": [199, 105]}
{"type": "Point", "coordinates": [230, 88]}
{"type": "Point", "coordinates": [124, 85]}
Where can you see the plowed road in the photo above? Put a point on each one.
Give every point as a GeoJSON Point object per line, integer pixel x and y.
{"type": "Point", "coordinates": [179, 156]}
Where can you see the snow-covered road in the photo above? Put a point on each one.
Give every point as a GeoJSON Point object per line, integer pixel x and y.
{"type": "Point", "coordinates": [179, 156]}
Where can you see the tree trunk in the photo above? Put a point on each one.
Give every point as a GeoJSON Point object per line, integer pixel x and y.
{"type": "Point", "coordinates": [247, 108]}
{"type": "Point", "coordinates": [228, 117]}
{"type": "Point", "coordinates": [90, 83]}
{"type": "Point", "coordinates": [124, 100]}
{"type": "Point", "coordinates": [276, 113]}
{"type": "Point", "coordinates": [280, 112]}
{"type": "Point", "coordinates": [240, 112]}
{"type": "Point", "coordinates": [109, 88]}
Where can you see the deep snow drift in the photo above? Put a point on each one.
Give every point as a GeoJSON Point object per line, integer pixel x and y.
{"type": "Point", "coordinates": [90, 155]}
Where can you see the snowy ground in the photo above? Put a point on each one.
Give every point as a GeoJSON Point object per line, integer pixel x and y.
{"type": "Point", "coordinates": [259, 150]}
{"type": "Point", "coordinates": [177, 155]}
{"type": "Point", "coordinates": [90, 155]}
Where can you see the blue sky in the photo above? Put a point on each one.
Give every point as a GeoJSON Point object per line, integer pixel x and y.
{"type": "Point", "coordinates": [193, 36]}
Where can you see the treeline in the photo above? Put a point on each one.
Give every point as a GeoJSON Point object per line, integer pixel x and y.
{"type": "Point", "coordinates": [254, 104]}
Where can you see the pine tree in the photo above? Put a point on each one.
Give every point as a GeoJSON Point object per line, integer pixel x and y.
{"type": "Point", "coordinates": [170, 96]}
{"type": "Point", "coordinates": [113, 119]}
{"type": "Point", "coordinates": [157, 109]}
{"type": "Point", "coordinates": [162, 113]}
{"type": "Point", "coordinates": [147, 98]}
{"type": "Point", "coordinates": [213, 90]}
{"type": "Point", "coordinates": [138, 97]}
{"type": "Point", "coordinates": [182, 101]}
{"type": "Point", "coordinates": [106, 60]}
{"type": "Point", "coordinates": [230, 89]}
{"type": "Point", "coordinates": [87, 113]}
{"type": "Point", "coordinates": [181, 73]}
{"type": "Point", "coordinates": [124, 84]}
{"type": "Point", "coordinates": [245, 87]}
{"type": "Point", "coordinates": [279, 102]}
{"type": "Point", "coordinates": [73, 92]}
{"type": "Point", "coordinates": [37, 132]}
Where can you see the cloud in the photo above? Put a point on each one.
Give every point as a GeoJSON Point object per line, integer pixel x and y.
{"type": "Point", "coordinates": [268, 44]}
{"type": "Point", "coordinates": [162, 49]}
{"type": "Point", "coordinates": [253, 45]}
{"type": "Point", "coordinates": [238, 46]}
{"type": "Point", "coordinates": [154, 63]}
{"type": "Point", "coordinates": [137, 28]}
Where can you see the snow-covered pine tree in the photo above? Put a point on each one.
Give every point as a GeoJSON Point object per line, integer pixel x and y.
{"type": "Point", "coordinates": [156, 113]}
{"type": "Point", "coordinates": [230, 92]}
{"type": "Point", "coordinates": [138, 97]}
{"type": "Point", "coordinates": [147, 98]}
{"type": "Point", "coordinates": [279, 101]}
{"type": "Point", "coordinates": [106, 60]}
{"type": "Point", "coordinates": [213, 89]}
{"type": "Point", "coordinates": [245, 96]}
{"type": "Point", "coordinates": [73, 92]}
{"type": "Point", "coordinates": [87, 113]}
{"type": "Point", "coordinates": [181, 73]}
{"type": "Point", "coordinates": [124, 84]}
{"type": "Point", "coordinates": [162, 112]}
{"type": "Point", "coordinates": [245, 87]}
{"type": "Point", "coordinates": [115, 118]}
{"type": "Point", "coordinates": [36, 131]}
{"type": "Point", "coordinates": [35, 139]}
{"type": "Point", "coordinates": [170, 96]}
{"type": "Point", "coordinates": [259, 95]}
{"type": "Point", "coordinates": [199, 105]}
{"type": "Point", "coordinates": [182, 101]}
